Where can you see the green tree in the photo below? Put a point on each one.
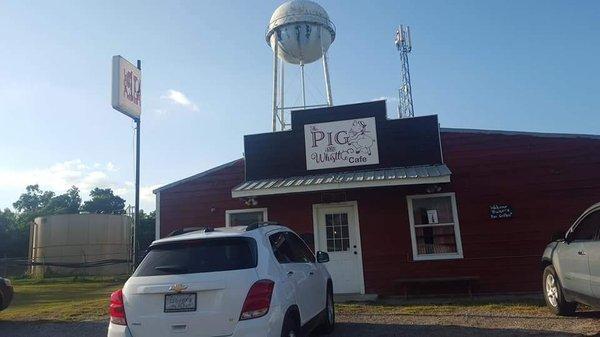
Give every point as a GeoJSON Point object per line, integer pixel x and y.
{"type": "Point", "coordinates": [13, 238]}
{"type": "Point", "coordinates": [33, 200]}
{"type": "Point", "coordinates": [68, 203]}
{"type": "Point", "coordinates": [104, 201]}
{"type": "Point", "coordinates": [146, 231]}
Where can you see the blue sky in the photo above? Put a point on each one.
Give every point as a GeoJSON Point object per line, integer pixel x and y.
{"type": "Point", "coordinates": [513, 65]}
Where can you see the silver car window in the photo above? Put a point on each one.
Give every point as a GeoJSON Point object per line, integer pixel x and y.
{"type": "Point", "coordinates": [587, 228]}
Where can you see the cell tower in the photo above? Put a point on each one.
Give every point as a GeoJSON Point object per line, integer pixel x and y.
{"type": "Point", "coordinates": [299, 33]}
{"type": "Point", "coordinates": [404, 45]}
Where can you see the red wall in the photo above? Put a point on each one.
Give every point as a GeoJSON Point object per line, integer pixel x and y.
{"type": "Point", "coordinates": [547, 181]}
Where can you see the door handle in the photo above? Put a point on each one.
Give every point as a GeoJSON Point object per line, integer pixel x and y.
{"type": "Point", "coordinates": [581, 252]}
{"type": "Point", "coordinates": [311, 273]}
{"type": "Point", "coordinates": [290, 273]}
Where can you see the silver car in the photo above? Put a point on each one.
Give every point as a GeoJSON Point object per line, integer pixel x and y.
{"type": "Point", "coordinates": [572, 265]}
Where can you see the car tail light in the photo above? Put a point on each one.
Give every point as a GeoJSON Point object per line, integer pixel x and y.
{"type": "Point", "coordinates": [258, 300]}
{"type": "Point", "coordinates": [117, 308]}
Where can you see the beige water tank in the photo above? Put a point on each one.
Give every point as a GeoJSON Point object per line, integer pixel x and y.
{"type": "Point", "coordinates": [81, 238]}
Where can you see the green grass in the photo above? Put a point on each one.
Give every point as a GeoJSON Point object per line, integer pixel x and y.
{"type": "Point", "coordinates": [69, 299]}
{"type": "Point", "coordinates": [60, 299]}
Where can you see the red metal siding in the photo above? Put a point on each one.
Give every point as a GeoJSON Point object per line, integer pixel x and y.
{"type": "Point", "coordinates": [200, 201]}
{"type": "Point", "coordinates": [547, 181]}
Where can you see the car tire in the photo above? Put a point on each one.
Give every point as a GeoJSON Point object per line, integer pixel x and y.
{"type": "Point", "coordinates": [291, 326]}
{"type": "Point", "coordinates": [553, 294]}
{"type": "Point", "coordinates": [2, 301]}
{"type": "Point", "coordinates": [328, 324]}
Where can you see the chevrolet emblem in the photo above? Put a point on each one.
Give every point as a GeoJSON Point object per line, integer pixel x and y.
{"type": "Point", "coordinates": [178, 287]}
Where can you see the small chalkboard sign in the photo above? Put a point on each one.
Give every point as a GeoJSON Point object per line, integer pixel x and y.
{"type": "Point", "coordinates": [501, 212]}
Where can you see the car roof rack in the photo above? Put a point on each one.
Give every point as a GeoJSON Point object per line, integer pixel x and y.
{"type": "Point", "coordinates": [186, 230]}
{"type": "Point", "coordinates": [261, 224]}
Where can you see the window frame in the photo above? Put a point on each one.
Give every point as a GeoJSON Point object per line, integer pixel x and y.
{"type": "Point", "coordinates": [244, 210]}
{"type": "Point", "coordinates": [583, 217]}
{"type": "Point", "coordinates": [457, 236]}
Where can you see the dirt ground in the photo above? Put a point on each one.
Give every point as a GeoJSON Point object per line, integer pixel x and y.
{"type": "Point", "coordinates": [376, 325]}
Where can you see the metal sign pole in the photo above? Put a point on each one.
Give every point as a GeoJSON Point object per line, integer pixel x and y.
{"type": "Point", "coordinates": [126, 97]}
{"type": "Point", "coordinates": [137, 184]}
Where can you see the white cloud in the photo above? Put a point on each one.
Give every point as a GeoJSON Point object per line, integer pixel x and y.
{"type": "Point", "coordinates": [179, 98]}
{"type": "Point", "coordinates": [146, 195]}
{"type": "Point", "coordinates": [111, 167]}
{"type": "Point", "coordinates": [60, 177]}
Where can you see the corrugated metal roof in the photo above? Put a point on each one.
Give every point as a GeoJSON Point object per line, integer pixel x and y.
{"type": "Point", "coordinates": [521, 133]}
{"type": "Point", "coordinates": [343, 180]}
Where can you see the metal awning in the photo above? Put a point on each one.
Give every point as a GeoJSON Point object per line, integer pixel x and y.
{"type": "Point", "coordinates": [395, 176]}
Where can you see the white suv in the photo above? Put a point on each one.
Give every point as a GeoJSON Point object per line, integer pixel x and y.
{"type": "Point", "coordinates": [255, 281]}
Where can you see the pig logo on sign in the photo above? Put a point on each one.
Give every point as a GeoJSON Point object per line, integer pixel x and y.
{"type": "Point", "coordinates": [359, 139]}
{"type": "Point", "coordinates": [132, 87]}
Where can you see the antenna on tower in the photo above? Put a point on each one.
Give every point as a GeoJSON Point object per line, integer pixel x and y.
{"type": "Point", "coordinates": [404, 45]}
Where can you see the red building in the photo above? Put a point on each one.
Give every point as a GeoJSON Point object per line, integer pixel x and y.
{"type": "Point", "coordinates": [400, 203]}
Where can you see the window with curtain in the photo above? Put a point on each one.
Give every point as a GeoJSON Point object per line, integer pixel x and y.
{"type": "Point", "coordinates": [434, 227]}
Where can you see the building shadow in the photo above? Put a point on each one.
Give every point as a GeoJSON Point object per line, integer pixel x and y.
{"type": "Point", "coordinates": [413, 330]}
{"type": "Point", "coordinates": [52, 328]}
{"type": "Point", "coordinates": [588, 314]}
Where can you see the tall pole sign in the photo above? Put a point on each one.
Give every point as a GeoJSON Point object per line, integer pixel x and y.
{"type": "Point", "coordinates": [127, 98]}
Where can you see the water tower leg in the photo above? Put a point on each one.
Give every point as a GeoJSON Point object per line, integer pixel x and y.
{"type": "Point", "coordinates": [282, 97]}
{"type": "Point", "coordinates": [327, 82]}
{"type": "Point", "coordinates": [303, 86]}
{"type": "Point", "coordinates": [275, 61]}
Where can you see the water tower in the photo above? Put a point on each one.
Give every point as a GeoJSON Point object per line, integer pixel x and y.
{"type": "Point", "coordinates": [299, 33]}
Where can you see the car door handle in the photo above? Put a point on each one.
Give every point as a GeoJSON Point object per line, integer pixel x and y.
{"type": "Point", "coordinates": [311, 273]}
{"type": "Point", "coordinates": [290, 273]}
{"type": "Point", "coordinates": [581, 252]}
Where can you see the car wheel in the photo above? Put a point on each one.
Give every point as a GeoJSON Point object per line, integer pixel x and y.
{"type": "Point", "coordinates": [553, 294]}
{"type": "Point", "coordinates": [329, 321]}
{"type": "Point", "coordinates": [291, 327]}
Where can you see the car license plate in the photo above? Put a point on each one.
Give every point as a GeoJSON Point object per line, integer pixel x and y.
{"type": "Point", "coordinates": [180, 302]}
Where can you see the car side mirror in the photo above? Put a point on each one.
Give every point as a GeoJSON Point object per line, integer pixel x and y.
{"type": "Point", "coordinates": [322, 257]}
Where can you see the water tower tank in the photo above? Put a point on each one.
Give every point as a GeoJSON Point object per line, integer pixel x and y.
{"type": "Point", "coordinates": [303, 29]}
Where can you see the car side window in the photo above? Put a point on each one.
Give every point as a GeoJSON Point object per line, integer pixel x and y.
{"type": "Point", "coordinates": [301, 251]}
{"type": "Point", "coordinates": [289, 248]}
{"type": "Point", "coordinates": [587, 228]}
{"type": "Point", "coordinates": [281, 248]}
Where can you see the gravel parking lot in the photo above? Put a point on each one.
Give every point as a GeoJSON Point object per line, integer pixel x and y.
{"type": "Point", "coordinates": [376, 325]}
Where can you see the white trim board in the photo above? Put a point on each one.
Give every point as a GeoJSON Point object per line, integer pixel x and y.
{"type": "Point", "coordinates": [457, 236]}
{"type": "Point", "coordinates": [245, 210]}
{"type": "Point", "coordinates": [157, 220]}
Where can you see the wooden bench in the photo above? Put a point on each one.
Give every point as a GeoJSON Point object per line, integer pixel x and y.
{"type": "Point", "coordinates": [467, 280]}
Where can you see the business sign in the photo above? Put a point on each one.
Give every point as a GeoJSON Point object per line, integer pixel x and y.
{"type": "Point", "coordinates": [126, 87]}
{"type": "Point", "coordinates": [351, 142]}
{"type": "Point", "coordinates": [501, 212]}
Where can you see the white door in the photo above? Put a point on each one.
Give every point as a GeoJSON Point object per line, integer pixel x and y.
{"type": "Point", "coordinates": [338, 234]}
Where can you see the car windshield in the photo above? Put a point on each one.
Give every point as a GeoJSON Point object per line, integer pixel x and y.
{"type": "Point", "coordinates": [199, 256]}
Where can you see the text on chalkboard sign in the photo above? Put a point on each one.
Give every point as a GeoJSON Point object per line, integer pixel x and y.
{"type": "Point", "coordinates": [501, 212]}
